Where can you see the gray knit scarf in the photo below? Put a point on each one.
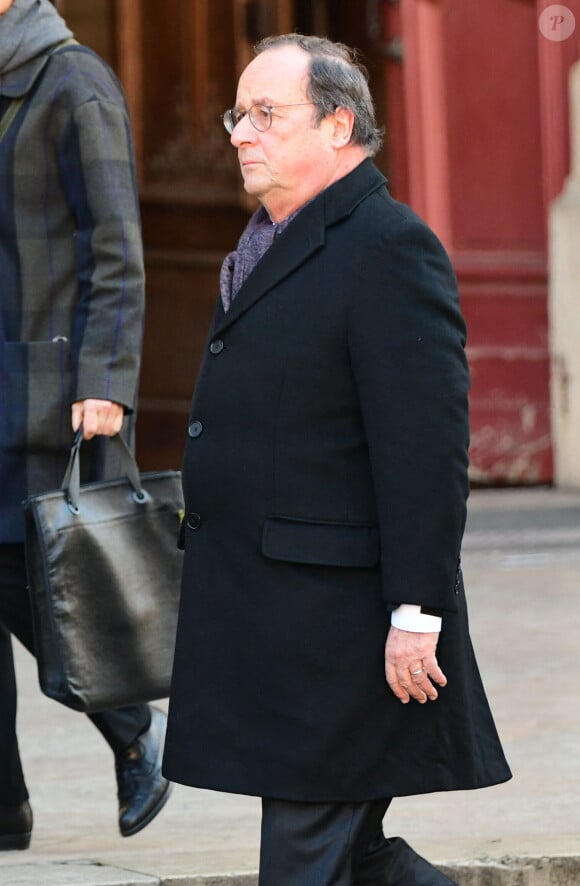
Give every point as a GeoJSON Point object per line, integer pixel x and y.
{"type": "Point", "coordinates": [27, 29]}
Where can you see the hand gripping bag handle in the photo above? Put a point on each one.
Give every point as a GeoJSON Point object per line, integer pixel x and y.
{"type": "Point", "coordinates": [71, 482]}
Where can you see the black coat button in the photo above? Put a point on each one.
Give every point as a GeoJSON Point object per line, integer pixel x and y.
{"type": "Point", "coordinates": [195, 429]}
{"type": "Point", "coordinates": [217, 346]}
{"type": "Point", "coordinates": [193, 521]}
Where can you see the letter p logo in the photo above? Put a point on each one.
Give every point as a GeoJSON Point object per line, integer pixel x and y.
{"type": "Point", "coordinates": [557, 23]}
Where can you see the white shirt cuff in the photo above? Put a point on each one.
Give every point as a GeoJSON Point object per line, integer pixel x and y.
{"type": "Point", "coordinates": [408, 617]}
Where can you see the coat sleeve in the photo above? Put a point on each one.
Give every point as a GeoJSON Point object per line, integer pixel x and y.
{"type": "Point", "coordinates": [98, 173]}
{"type": "Point", "coordinates": [406, 339]}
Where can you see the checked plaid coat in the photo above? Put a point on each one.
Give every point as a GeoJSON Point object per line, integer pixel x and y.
{"type": "Point", "coordinates": [71, 268]}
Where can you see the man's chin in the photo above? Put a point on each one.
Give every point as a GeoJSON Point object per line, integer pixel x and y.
{"type": "Point", "coordinates": [253, 189]}
{"type": "Point", "coordinates": [251, 182]}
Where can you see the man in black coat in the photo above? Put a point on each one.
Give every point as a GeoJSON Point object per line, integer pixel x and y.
{"type": "Point", "coordinates": [323, 659]}
{"type": "Point", "coordinates": [71, 326]}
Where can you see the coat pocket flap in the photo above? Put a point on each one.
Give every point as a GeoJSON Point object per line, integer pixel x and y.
{"type": "Point", "coordinates": [321, 544]}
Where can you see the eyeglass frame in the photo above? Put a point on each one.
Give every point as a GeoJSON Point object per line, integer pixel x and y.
{"type": "Point", "coordinates": [228, 115]}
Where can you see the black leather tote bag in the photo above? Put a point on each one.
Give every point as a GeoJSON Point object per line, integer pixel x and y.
{"type": "Point", "coordinates": [104, 574]}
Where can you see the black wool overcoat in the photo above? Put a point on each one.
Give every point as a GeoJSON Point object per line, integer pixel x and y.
{"type": "Point", "coordinates": [325, 480]}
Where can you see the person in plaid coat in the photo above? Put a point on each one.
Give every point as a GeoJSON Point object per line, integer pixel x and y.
{"type": "Point", "coordinates": [71, 323]}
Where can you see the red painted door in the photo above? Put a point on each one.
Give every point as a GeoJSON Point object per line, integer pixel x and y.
{"type": "Point", "coordinates": [478, 108]}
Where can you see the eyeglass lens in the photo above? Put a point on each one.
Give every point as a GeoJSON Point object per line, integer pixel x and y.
{"type": "Point", "coordinates": [260, 118]}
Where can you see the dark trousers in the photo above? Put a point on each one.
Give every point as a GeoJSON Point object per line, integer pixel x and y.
{"type": "Point", "coordinates": [337, 844]}
{"type": "Point", "coordinates": [119, 727]}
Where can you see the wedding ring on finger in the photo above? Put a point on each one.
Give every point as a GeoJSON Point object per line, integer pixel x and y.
{"type": "Point", "coordinates": [416, 673]}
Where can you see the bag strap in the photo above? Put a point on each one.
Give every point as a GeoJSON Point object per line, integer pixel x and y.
{"type": "Point", "coordinates": [10, 114]}
{"type": "Point", "coordinates": [16, 103]}
{"type": "Point", "coordinates": [71, 483]}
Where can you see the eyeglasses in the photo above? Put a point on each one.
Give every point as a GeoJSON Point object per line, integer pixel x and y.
{"type": "Point", "coordinates": [260, 116]}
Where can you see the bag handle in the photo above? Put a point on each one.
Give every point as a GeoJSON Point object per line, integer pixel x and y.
{"type": "Point", "coordinates": [71, 482]}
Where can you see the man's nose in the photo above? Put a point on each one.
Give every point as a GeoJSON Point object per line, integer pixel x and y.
{"type": "Point", "coordinates": [243, 132]}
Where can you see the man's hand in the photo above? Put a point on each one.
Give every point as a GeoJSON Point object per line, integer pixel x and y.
{"type": "Point", "coordinates": [411, 665]}
{"type": "Point", "coordinates": [97, 417]}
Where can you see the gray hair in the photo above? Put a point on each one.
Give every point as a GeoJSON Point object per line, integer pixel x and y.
{"type": "Point", "coordinates": [337, 80]}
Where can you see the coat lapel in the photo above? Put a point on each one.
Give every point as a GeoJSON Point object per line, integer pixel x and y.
{"type": "Point", "coordinates": [304, 236]}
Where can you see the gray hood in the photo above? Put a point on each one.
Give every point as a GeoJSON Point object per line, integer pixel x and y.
{"type": "Point", "coordinates": [28, 29]}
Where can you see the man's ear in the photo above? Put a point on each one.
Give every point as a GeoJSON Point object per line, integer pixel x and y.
{"type": "Point", "coordinates": [343, 122]}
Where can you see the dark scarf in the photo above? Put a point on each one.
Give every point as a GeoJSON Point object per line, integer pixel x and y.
{"type": "Point", "coordinates": [27, 30]}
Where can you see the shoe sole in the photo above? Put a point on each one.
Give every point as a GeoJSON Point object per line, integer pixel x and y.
{"type": "Point", "coordinates": [15, 841]}
{"type": "Point", "coordinates": [152, 813]}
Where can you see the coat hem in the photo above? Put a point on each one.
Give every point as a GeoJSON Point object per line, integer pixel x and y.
{"type": "Point", "coordinates": [322, 797]}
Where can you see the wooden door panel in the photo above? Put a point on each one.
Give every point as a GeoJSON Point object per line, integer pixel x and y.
{"type": "Point", "coordinates": [93, 24]}
{"type": "Point", "coordinates": [188, 57]}
{"type": "Point", "coordinates": [476, 174]}
{"type": "Point", "coordinates": [173, 349]}
{"type": "Point", "coordinates": [492, 126]}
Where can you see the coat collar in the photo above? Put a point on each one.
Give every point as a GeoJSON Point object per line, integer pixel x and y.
{"type": "Point", "coordinates": [304, 236]}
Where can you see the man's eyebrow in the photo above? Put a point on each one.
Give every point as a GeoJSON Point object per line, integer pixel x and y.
{"type": "Point", "coordinates": [263, 100]}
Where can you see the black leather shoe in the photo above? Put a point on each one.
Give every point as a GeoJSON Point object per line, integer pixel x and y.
{"type": "Point", "coordinates": [15, 826]}
{"type": "Point", "coordinates": [142, 790]}
{"type": "Point", "coordinates": [405, 867]}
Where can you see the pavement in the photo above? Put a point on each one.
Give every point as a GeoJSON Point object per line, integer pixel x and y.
{"type": "Point", "coordinates": [522, 571]}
